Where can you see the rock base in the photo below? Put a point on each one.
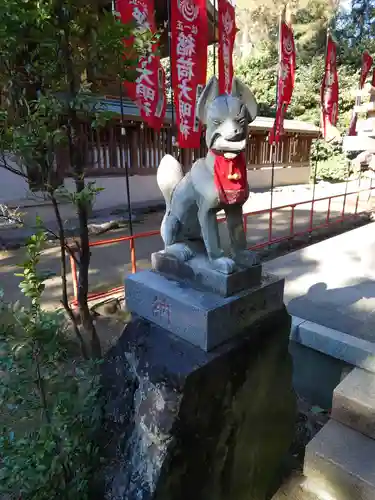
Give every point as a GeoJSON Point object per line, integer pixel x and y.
{"type": "Point", "coordinates": [186, 424]}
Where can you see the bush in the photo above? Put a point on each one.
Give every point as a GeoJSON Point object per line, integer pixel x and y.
{"type": "Point", "coordinates": [329, 161]}
{"type": "Point", "coordinates": [49, 399]}
{"type": "Point", "coordinates": [335, 169]}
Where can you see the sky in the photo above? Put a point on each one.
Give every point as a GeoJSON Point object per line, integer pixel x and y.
{"type": "Point", "coordinates": [345, 4]}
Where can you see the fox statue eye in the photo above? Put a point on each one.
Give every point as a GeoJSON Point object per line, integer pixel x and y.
{"type": "Point", "coordinates": [216, 122]}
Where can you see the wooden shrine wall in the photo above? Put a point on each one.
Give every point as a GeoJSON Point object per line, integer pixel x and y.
{"type": "Point", "coordinates": [108, 151]}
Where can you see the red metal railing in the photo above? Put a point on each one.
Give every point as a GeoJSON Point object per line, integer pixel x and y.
{"type": "Point", "coordinates": [270, 241]}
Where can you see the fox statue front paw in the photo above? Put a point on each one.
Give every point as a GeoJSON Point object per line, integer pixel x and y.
{"type": "Point", "coordinates": [246, 258]}
{"type": "Point", "coordinates": [181, 251]}
{"type": "Point", "coordinates": [224, 265]}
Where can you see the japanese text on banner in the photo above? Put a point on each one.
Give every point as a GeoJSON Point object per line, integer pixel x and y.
{"type": "Point", "coordinates": [148, 90]}
{"type": "Point", "coordinates": [189, 66]}
{"type": "Point", "coordinates": [330, 90]}
{"type": "Point", "coordinates": [227, 36]}
{"type": "Point", "coordinates": [285, 84]}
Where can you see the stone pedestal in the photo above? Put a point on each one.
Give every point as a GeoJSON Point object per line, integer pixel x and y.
{"type": "Point", "coordinates": [186, 424]}
{"type": "Point", "coordinates": [203, 318]}
{"type": "Point", "coordinates": [201, 305]}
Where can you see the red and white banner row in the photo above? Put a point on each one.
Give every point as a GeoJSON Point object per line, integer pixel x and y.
{"type": "Point", "coordinates": [189, 41]}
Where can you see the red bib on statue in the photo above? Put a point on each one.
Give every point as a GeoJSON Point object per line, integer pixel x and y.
{"type": "Point", "coordinates": [231, 179]}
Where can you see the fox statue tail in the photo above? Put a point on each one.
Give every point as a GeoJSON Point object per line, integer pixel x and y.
{"type": "Point", "coordinates": [169, 174]}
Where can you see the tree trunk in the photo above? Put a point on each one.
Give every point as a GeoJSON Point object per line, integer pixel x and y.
{"type": "Point", "coordinates": [77, 163]}
{"type": "Point", "coordinates": [83, 278]}
{"type": "Point", "coordinates": [65, 300]}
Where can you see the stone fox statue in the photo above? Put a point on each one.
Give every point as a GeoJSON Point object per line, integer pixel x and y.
{"type": "Point", "coordinates": [216, 182]}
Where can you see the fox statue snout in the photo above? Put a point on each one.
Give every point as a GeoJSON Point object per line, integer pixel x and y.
{"type": "Point", "coordinates": [227, 117]}
{"type": "Point", "coordinates": [216, 182]}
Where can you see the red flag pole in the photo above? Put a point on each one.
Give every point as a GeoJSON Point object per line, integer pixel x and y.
{"type": "Point", "coordinates": [353, 119]}
{"type": "Point", "coordinates": [273, 146]}
{"type": "Point", "coordinates": [122, 148]}
{"type": "Point", "coordinates": [173, 121]}
{"type": "Point", "coordinates": [214, 44]}
{"type": "Point", "coordinates": [127, 182]}
{"type": "Point", "coordinates": [323, 126]}
{"type": "Point", "coordinates": [365, 68]}
{"type": "Point", "coordinates": [322, 117]}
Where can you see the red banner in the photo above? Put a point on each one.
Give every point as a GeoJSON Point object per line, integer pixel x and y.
{"type": "Point", "coordinates": [365, 69]}
{"type": "Point", "coordinates": [189, 66]}
{"type": "Point", "coordinates": [227, 36]}
{"type": "Point", "coordinates": [353, 124]}
{"type": "Point", "coordinates": [285, 84]}
{"type": "Point", "coordinates": [329, 92]}
{"type": "Point", "coordinates": [148, 90]}
{"type": "Point", "coordinates": [373, 78]}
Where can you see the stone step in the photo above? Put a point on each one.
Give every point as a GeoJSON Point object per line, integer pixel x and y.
{"type": "Point", "coordinates": [365, 107]}
{"type": "Point", "coordinates": [296, 487]}
{"type": "Point", "coordinates": [364, 92]}
{"type": "Point", "coordinates": [341, 461]}
{"type": "Point", "coordinates": [358, 143]}
{"type": "Point", "coordinates": [354, 402]}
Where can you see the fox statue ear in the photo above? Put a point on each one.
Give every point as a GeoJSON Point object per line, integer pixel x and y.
{"type": "Point", "coordinates": [209, 93]}
{"type": "Point", "coordinates": [243, 92]}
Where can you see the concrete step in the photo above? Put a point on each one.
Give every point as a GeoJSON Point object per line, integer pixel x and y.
{"type": "Point", "coordinates": [365, 107]}
{"type": "Point", "coordinates": [296, 487]}
{"type": "Point", "coordinates": [340, 461]}
{"type": "Point", "coordinates": [354, 402]}
{"type": "Point", "coordinates": [358, 143]}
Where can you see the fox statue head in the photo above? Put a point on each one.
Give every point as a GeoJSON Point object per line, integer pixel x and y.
{"type": "Point", "coordinates": [226, 116]}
